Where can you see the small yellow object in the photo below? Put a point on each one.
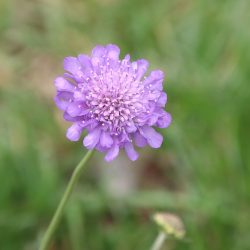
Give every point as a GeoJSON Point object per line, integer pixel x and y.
{"type": "Point", "coordinates": [170, 224]}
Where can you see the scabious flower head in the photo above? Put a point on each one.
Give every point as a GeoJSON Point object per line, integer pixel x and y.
{"type": "Point", "coordinates": [113, 101]}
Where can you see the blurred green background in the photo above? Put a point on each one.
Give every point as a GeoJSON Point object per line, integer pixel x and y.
{"type": "Point", "coordinates": [202, 172]}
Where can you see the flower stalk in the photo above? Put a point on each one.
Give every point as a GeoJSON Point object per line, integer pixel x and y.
{"type": "Point", "coordinates": [159, 241]}
{"type": "Point", "coordinates": [59, 211]}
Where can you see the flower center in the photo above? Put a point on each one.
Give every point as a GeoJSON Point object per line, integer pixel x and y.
{"type": "Point", "coordinates": [113, 109]}
{"type": "Point", "coordinates": [115, 97]}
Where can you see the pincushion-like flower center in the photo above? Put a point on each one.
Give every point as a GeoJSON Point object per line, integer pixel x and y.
{"type": "Point", "coordinates": [114, 108]}
{"type": "Point", "coordinates": [116, 98]}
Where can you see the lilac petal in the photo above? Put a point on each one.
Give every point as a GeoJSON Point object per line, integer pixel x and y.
{"type": "Point", "coordinates": [140, 141]}
{"type": "Point", "coordinates": [154, 94]}
{"type": "Point", "coordinates": [77, 109]}
{"type": "Point", "coordinates": [92, 124]}
{"type": "Point", "coordinates": [112, 153]}
{"type": "Point", "coordinates": [123, 137]}
{"type": "Point", "coordinates": [63, 85]}
{"type": "Point", "coordinates": [131, 153]}
{"type": "Point", "coordinates": [100, 148]}
{"type": "Point", "coordinates": [141, 67]}
{"type": "Point", "coordinates": [155, 80]}
{"type": "Point", "coordinates": [79, 96]}
{"type": "Point", "coordinates": [113, 51]}
{"type": "Point", "coordinates": [69, 118]}
{"type": "Point", "coordinates": [154, 139]}
{"type": "Point", "coordinates": [126, 58]}
{"type": "Point", "coordinates": [106, 140]}
{"type": "Point", "coordinates": [68, 76]}
{"type": "Point", "coordinates": [86, 123]}
{"type": "Point", "coordinates": [62, 99]}
{"type": "Point", "coordinates": [153, 119]}
{"type": "Point", "coordinates": [98, 51]}
{"type": "Point", "coordinates": [74, 132]}
{"type": "Point", "coordinates": [85, 62]}
{"type": "Point", "coordinates": [71, 64]}
{"type": "Point", "coordinates": [92, 138]}
{"type": "Point", "coordinates": [164, 120]}
{"type": "Point", "coordinates": [131, 128]}
{"type": "Point", "coordinates": [162, 99]}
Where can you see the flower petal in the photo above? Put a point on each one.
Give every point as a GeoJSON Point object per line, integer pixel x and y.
{"type": "Point", "coordinates": [74, 132]}
{"type": "Point", "coordinates": [126, 58]}
{"type": "Point", "coordinates": [140, 67]}
{"type": "Point", "coordinates": [71, 64]}
{"type": "Point", "coordinates": [79, 96]}
{"type": "Point", "coordinates": [62, 99]}
{"type": "Point", "coordinates": [140, 141]}
{"type": "Point", "coordinates": [155, 80]}
{"type": "Point", "coordinates": [92, 138]}
{"type": "Point", "coordinates": [131, 128]}
{"type": "Point", "coordinates": [112, 153]}
{"type": "Point", "coordinates": [113, 51]}
{"type": "Point", "coordinates": [98, 51]}
{"type": "Point", "coordinates": [77, 109]}
{"type": "Point", "coordinates": [153, 118]}
{"type": "Point", "coordinates": [69, 118]}
{"type": "Point", "coordinates": [164, 120]}
{"type": "Point", "coordinates": [162, 99]}
{"type": "Point", "coordinates": [131, 153]}
{"type": "Point", "coordinates": [106, 140]}
{"type": "Point", "coordinates": [85, 62]}
{"type": "Point", "coordinates": [63, 85]}
{"type": "Point", "coordinates": [154, 139]}
{"type": "Point", "coordinates": [154, 94]}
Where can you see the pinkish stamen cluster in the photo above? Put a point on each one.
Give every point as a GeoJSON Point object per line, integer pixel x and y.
{"type": "Point", "coordinates": [112, 100]}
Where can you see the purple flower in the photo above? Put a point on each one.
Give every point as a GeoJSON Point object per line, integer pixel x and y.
{"type": "Point", "coordinates": [113, 101]}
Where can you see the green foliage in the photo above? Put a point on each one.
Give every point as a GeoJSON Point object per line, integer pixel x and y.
{"type": "Point", "coordinates": [203, 168]}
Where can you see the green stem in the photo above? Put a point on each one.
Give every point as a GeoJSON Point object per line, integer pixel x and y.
{"type": "Point", "coordinates": [157, 245]}
{"type": "Point", "coordinates": [59, 211]}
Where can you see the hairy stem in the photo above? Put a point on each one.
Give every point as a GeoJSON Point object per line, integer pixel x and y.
{"type": "Point", "coordinates": [59, 211]}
